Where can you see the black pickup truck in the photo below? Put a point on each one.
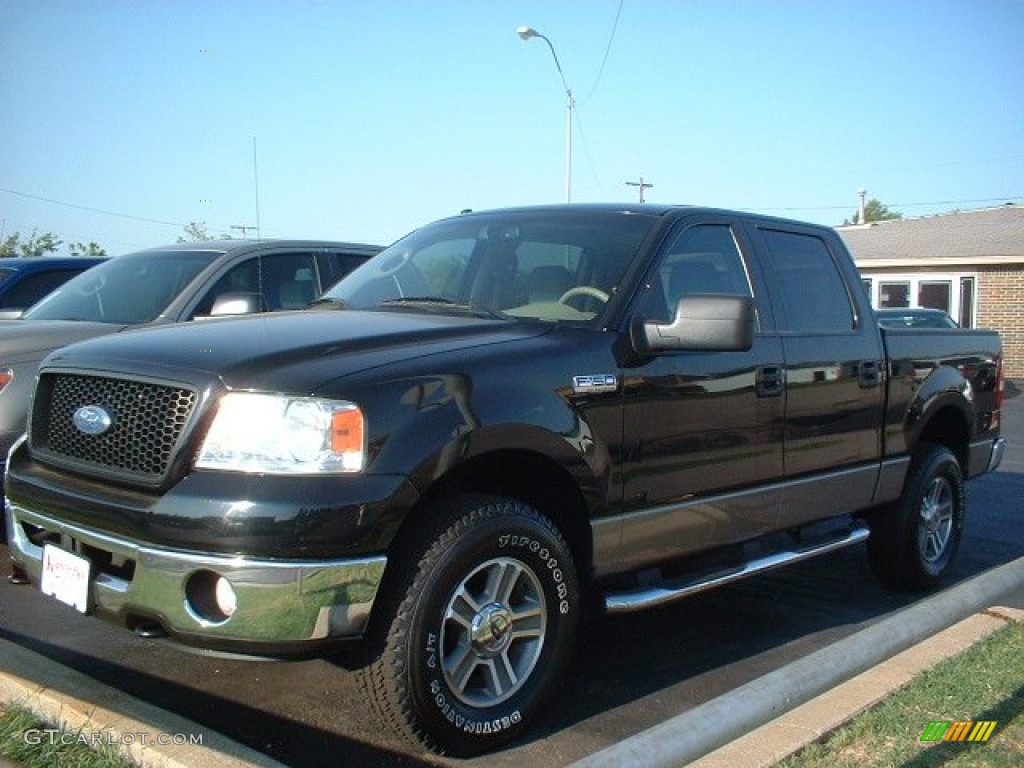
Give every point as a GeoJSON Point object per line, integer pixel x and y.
{"type": "Point", "coordinates": [497, 418]}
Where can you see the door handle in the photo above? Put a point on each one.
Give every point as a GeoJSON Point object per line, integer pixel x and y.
{"type": "Point", "coordinates": [768, 381]}
{"type": "Point", "coordinates": [869, 373]}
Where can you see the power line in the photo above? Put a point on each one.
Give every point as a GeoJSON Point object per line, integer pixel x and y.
{"type": "Point", "coordinates": [586, 150]}
{"type": "Point", "coordinates": [848, 206]}
{"type": "Point", "coordinates": [958, 202]}
{"type": "Point", "coordinates": [90, 210]}
{"type": "Point", "coordinates": [607, 50]}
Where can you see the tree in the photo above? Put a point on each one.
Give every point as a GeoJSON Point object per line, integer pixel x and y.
{"type": "Point", "coordinates": [9, 247]}
{"type": "Point", "coordinates": [36, 245]}
{"type": "Point", "coordinates": [196, 230]}
{"type": "Point", "coordinates": [874, 210]}
{"type": "Point", "coordinates": [92, 249]}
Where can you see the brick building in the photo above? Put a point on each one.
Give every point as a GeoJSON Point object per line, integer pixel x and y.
{"type": "Point", "coordinates": [969, 263]}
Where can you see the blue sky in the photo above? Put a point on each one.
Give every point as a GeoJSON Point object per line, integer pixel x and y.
{"type": "Point", "coordinates": [370, 118]}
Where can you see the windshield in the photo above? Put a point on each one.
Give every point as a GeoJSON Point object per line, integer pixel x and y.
{"type": "Point", "coordinates": [126, 290]}
{"type": "Point", "coordinates": [554, 265]}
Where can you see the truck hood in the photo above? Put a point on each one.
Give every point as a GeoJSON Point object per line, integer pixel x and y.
{"type": "Point", "coordinates": [23, 340]}
{"type": "Point", "coordinates": [289, 352]}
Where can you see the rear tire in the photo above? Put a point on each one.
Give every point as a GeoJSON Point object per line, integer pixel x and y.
{"type": "Point", "coordinates": [476, 622]}
{"type": "Point", "coordinates": [914, 541]}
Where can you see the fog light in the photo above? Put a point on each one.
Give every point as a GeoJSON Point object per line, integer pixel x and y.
{"type": "Point", "coordinates": [224, 593]}
{"type": "Point", "coordinates": [209, 597]}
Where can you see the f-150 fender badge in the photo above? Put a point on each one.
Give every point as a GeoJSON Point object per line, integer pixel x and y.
{"type": "Point", "coordinates": [594, 383]}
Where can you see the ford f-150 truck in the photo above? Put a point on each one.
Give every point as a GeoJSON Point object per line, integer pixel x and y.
{"type": "Point", "coordinates": [497, 418]}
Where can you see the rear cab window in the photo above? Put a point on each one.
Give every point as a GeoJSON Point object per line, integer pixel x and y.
{"type": "Point", "coordinates": [811, 292]}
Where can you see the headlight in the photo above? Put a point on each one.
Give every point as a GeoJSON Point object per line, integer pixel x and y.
{"type": "Point", "coordinates": [284, 435]}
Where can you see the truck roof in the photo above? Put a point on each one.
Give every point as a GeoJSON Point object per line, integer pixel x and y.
{"type": "Point", "coordinates": [228, 245]}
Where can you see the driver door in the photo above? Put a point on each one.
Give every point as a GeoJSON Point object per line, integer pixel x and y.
{"type": "Point", "coordinates": [702, 429]}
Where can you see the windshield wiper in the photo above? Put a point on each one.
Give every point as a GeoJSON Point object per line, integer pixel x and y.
{"type": "Point", "coordinates": [420, 300]}
{"type": "Point", "coordinates": [439, 302]}
{"type": "Point", "coordinates": [326, 302]}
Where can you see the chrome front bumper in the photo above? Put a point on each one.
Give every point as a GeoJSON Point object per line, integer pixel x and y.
{"type": "Point", "coordinates": [278, 601]}
{"type": "Point", "coordinates": [985, 456]}
{"type": "Point", "coordinates": [996, 458]}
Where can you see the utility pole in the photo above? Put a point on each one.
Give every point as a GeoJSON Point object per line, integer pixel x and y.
{"type": "Point", "coordinates": [243, 228]}
{"type": "Point", "coordinates": [641, 184]}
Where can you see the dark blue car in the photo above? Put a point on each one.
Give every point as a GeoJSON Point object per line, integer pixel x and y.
{"type": "Point", "coordinates": [24, 281]}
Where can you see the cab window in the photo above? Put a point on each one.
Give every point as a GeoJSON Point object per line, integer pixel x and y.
{"type": "Point", "coordinates": [813, 296]}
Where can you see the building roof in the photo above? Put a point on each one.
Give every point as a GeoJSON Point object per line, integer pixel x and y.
{"type": "Point", "coordinates": [986, 236]}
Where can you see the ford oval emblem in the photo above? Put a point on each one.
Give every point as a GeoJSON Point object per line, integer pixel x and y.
{"type": "Point", "coordinates": [92, 420]}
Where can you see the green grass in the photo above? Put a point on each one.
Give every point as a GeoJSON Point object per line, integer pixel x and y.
{"type": "Point", "coordinates": [24, 742]}
{"type": "Point", "coordinates": [985, 682]}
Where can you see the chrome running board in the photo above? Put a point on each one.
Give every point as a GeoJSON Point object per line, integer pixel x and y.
{"type": "Point", "coordinates": [649, 597]}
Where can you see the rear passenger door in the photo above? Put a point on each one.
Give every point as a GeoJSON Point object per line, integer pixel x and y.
{"type": "Point", "coordinates": [833, 373]}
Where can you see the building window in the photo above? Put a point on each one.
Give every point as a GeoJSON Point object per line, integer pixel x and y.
{"type": "Point", "coordinates": [966, 315]}
{"type": "Point", "coordinates": [955, 293]}
{"type": "Point", "coordinates": [935, 294]}
{"type": "Point", "coordinates": [893, 294]}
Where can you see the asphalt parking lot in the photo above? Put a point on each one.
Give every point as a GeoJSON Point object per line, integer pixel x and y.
{"type": "Point", "coordinates": [630, 674]}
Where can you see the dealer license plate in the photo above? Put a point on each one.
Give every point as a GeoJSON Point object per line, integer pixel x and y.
{"type": "Point", "coordinates": [66, 577]}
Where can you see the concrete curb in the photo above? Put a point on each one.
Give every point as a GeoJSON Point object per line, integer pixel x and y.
{"type": "Point", "coordinates": [102, 714]}
{"type": "Point", "coordinates": [699, 731]}
{"type": "Point", "coordinates": [816, 719]}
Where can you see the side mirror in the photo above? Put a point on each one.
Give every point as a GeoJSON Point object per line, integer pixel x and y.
{"type": "Point", "coordinates": [708, 322]}
{"type": "Point", "coordinates": [238, 303]}
{"type": "Point", "coordinates": [11, 314]}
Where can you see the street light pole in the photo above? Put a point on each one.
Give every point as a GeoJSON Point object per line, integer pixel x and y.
{"type": "Point", "coordinates": [525, 33]}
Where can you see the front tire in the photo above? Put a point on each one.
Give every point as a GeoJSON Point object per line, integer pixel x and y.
{"type": "Point", "coordinates": [477, 621]}
{"type": "Point", "coordinates": [914, 542]}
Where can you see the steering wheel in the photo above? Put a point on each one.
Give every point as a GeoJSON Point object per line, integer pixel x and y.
{"type": "Point", "coordinates": [583, 290]}
{"type": "Point", "coordinates": [393, 263]}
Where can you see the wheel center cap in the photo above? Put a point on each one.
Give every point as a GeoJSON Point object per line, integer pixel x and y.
{"type": "Point", "coordinates": [491, 631]}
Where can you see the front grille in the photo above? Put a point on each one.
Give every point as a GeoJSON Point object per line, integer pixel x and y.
{"type": "Point", "coordinates": [147, 421]}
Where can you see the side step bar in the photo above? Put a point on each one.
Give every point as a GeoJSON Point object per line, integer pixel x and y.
{"type": "Point", "coordinates": [649, 597]}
